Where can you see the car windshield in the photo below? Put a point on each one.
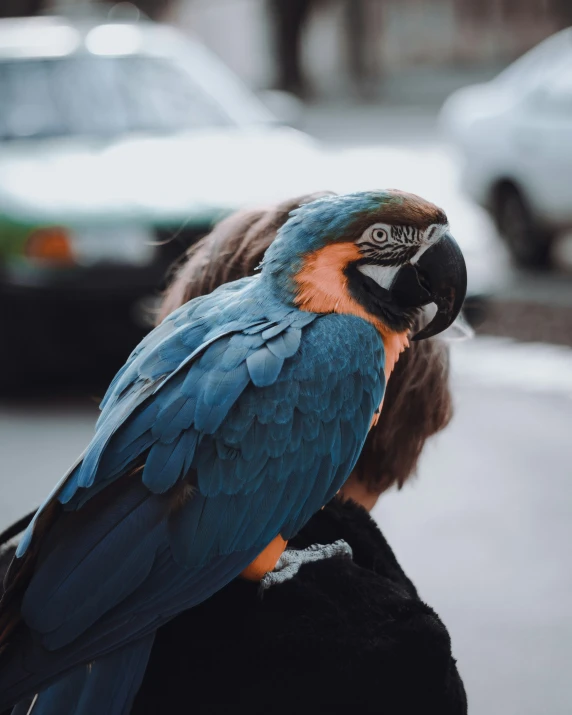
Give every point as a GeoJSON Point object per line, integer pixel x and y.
{"type": "Point", "coordinates": [530, 70]}
{"type": "Point", "coordinates": [101, 96]}
{"type": "Point", "coordinates": [555, 92]}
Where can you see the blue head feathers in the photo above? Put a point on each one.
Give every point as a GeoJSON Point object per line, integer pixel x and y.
{"type": "Point", "coordinates": [314, 225]}
{"type": "Point", "coordinates": [333, 219]}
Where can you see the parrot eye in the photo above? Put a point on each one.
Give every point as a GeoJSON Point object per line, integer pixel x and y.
{"type": "Point", "coordinates": [379, 235]}
{"type": "Point", "coordinates": [376, 235]}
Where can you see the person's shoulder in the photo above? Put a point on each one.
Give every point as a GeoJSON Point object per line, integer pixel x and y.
{"type": "Point", "coordinates": [361, 622]}
{"type": "Point", "coordinates": [368, 592]}
{"type": "Point", "coordinates": [344, 519]}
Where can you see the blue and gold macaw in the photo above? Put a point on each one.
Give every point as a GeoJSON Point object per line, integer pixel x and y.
{"type": "Point", "coordinates": [229, 426]}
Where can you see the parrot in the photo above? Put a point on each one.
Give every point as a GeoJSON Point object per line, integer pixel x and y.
{"type": "Point", "coordinates": [231, 423]}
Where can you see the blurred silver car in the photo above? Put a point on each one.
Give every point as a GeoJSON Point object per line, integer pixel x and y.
{"type": "Point", "coordinates": [515, 137]}
{"type": "Point", "coordinates": [120, 144]}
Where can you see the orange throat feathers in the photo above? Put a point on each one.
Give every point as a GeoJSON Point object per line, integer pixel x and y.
{"type": "Point", "coordinates": [323, 288]}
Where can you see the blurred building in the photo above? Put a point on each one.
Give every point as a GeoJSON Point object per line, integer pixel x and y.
{"type": "Point", "coordinates": [360, 46]}
{"type": "Point", "coordinates": [349, 44]}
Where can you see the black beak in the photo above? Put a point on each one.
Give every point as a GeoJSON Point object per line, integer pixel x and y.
{"type": "Point", "coordinates": [439, 276]}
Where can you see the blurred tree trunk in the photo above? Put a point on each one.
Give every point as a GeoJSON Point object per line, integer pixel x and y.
{"type": "Point", "coordinates": [288, 19]}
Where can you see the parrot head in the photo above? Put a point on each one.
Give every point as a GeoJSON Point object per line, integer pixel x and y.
{"type": "Point", "coordinates": [382, 255]}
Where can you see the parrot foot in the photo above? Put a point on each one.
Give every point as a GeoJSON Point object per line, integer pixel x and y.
{"type": "Point", "coordinates": [291, 560]}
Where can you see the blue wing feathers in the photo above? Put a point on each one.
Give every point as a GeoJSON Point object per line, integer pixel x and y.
{"type": "Point", "coordinates": [220, 390]}
{"type": "Point", "coordinates": [183, 526]}
{"type": "Point", "coordinates": [286, 344]}
{"type": "Point", "coordinates": [72, 570]}
{"type": "Point", "coordinates": [237, 350]}
{"type": "Point", "coordinates": [269, 417]}
{"type": "Point", "coordinates": [173, 418]}
{"type": "Point", "coordinates": [120, 585]}
{"type": "Point", "coordinates": [283, 411]}
{"type": "Point", "coordinates": [205, 537]}
{"type": "Point", "coordinates": [141, 421]}
{"type": "Point", "coordinates": [263, 367]}
{"type": "Point", "coordinates": [298, 411]}
{"type": "Point", "coordinates": [336, 449]}
{"type": "Point", "coordinates": [278, 436]}
{"type": "Point", "coordinates": [298, 430]}
{"type": "Point", "coordinates": [312, 426]}
{"type": "Point", "coordinates": [258, 327]}
{"type": "Point", "coordinates": [274, 330]}
{"type": "Point", "coordinates": [253, 444]}
{"type": "Point", "coordinates": [164, 465]}
{"type": "Point", "coordinates": [300, 319]}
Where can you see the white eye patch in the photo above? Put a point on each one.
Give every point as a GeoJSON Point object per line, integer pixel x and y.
{"type": "Point", "coordinates": [382, 275]}
{"type": "Point", "coordinates": [434, 232]}
{"type": "Point", "coordinates": [431, 236]}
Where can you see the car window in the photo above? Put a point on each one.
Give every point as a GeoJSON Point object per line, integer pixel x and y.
{"type": "Point", "coordinates": [555, 93]}
{"type": "Point", "coordinates": [533, 68]}
{"type": "Point", "coordinates": [99, 96]}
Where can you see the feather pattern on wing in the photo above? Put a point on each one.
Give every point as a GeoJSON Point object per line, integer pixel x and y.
{"type": "Point", "coordinates": [261, 410]}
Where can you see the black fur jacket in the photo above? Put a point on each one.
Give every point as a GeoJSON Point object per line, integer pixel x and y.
{"type": "Point", "coordinates": [342, 633]}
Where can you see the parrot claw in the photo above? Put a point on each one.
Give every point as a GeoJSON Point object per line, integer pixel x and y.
{"type": "Point", "coordinates": [291, 560]}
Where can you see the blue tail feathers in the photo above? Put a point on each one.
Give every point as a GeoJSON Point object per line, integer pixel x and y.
{"type": "Point", "coordinates": [108, 685]}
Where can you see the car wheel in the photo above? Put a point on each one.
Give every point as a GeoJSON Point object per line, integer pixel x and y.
{"type": "Point", "coordinates": [529, 244]}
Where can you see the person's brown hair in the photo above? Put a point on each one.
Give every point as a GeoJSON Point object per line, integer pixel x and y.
{"type": "Point", "coordinates": [417, 401]}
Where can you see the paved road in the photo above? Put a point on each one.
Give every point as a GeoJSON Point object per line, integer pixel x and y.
{"type": "Point", "coordinates": [484, 531]}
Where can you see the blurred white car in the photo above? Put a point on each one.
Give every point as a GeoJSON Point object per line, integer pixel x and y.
{"type": "Point", "coordinates": [515, 137]}
{"type": "Point", "coordinates": [121, 142]}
